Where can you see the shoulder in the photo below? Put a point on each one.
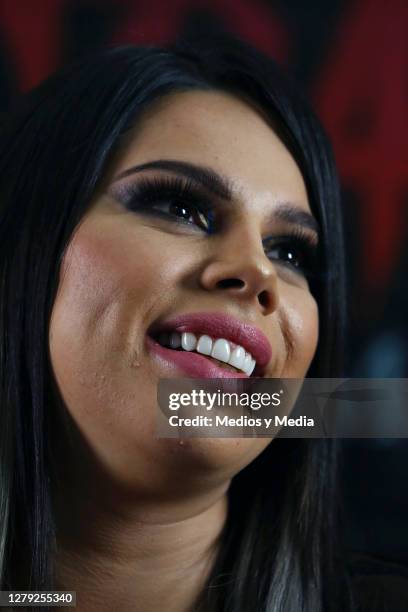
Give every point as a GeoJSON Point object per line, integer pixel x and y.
{"type": "Point", "coordinates": [379, 585]}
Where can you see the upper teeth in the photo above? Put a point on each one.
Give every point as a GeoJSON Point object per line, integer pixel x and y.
{"type": "Point", "coordinates": [219, 348]}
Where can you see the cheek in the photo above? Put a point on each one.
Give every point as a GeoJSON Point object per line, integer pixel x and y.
{"type": "Point", "coordinates": [108, 287]}
{"type": "Point", "coordinates": [101, 286]}
{"type": "Point", "coordinates": [301, 320]}
{"type": "Point", "coordinates": [111, 278]}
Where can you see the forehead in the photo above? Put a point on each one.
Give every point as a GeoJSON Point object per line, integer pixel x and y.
{"type": "Point", "coordinates": [221, 131]}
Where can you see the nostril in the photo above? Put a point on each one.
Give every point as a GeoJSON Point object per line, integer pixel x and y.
{"type": "Point", "coordinates": [264, 299]}
{"type": "Point", "coordinates": [227, 283]}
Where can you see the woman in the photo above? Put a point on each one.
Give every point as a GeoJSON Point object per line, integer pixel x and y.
{"type": "Point", "coordinates": [146, 190]}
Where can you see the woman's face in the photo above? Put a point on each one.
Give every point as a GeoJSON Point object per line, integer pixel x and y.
{"type": "Point", "coordinates": [146, 259]}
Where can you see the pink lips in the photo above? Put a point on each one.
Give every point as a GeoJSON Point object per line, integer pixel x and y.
{"type": "Point", "coordinates": [217, 325]}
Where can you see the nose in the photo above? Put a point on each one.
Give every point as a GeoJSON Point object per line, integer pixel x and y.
{"type": "Point", "coordinates": [239, 267]}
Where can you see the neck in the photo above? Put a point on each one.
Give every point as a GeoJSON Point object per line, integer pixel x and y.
{"type": "Point", "coordinates": [156, 555]}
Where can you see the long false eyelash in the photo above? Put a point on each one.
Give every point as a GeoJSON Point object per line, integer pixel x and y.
{"type": "Point", "coordinates": [149, 191]}
{"type": "Point", "coordinates": [305, 240]}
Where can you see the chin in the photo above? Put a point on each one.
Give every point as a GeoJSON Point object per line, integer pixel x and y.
{"type": "Point", "coordinates": [222, 457]}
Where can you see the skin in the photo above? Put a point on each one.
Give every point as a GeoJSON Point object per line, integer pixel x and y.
{"type": "Point", "coordinates": [145, 513]}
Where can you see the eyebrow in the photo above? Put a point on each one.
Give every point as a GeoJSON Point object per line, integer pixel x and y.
{"type": "Point", "coordinates": [222, 187]}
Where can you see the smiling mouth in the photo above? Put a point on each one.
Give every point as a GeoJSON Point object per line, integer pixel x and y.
{"type": "Point", "coordinates": [221, 352]}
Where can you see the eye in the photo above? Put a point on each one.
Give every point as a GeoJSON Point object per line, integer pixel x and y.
{"type": "Point", "coordinates": [288, 254]}
{"type": "Point", "coordinates": [188, 213]}
{"type": "Point", "coordinates": [298, 251]}
{"type": "Point", "coordinates": [171, 198]}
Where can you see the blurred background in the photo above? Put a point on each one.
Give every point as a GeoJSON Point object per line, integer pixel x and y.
{"type": "Point", "coordinates": [351, 58]}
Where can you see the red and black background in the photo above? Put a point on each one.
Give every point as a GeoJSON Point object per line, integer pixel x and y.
{"type": "Point", "coordinates": [351, 58]}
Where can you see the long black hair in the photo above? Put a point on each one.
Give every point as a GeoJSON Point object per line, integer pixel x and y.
{"type": "Point", "coordinates": [278, 550]}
